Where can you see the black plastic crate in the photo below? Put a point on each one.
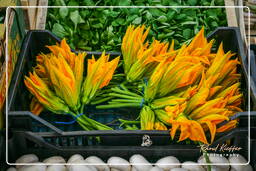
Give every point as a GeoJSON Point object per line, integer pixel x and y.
{"type": "Point", "coordinates": [22, 122]}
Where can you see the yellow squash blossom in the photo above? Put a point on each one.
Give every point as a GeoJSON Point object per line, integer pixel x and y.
{"type": "Point", "coordinates": [147, 118]}
{"type": "Point", "coordinates": [216, 106]}
{"type": "Point", "coordinates": [188, 129]}
{"type": "Point", "coordinates": [163, 116]}
{"type": "Point", "coordinates": [159, 126]}
{"type": "Point", "coordinates": [66, 83]}
{"type": "Point", "coordinates": [147, 59]}
{"type": "Point", "coordinates": [99, 74]}
{"type": "Point", "coordinates": [64, 49]}
{"type": "Point", "coordinates": [36, 107]}
{"type": "Point", "coordinates": [132, 43]}
{"type": "Point", "coordinates": [166, 101]}
{"type": "Point", "coordinates": [211, 121]}
{"type": "Point", "coordinates": [230, 125]}
{"type": "Point", "coordinates": [44, 95]}
{"type": "Point", "coordinates": [152, 86]}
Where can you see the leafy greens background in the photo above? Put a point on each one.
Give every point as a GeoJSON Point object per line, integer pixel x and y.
{"type": "Point", "coordinates": [97, 29]}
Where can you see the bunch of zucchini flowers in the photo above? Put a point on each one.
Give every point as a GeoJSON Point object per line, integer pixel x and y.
{"type": "Point", "coordinates": [58, 84]}
{"type": "Point", "coordinates": [190, 89]}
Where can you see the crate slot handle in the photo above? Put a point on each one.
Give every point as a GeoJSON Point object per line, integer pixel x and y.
{"type": "Point", "coordinates": [38, 119]}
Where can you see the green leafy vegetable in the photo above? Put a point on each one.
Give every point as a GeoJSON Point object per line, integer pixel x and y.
{"type": "Point", "coordinates": [99, 29]}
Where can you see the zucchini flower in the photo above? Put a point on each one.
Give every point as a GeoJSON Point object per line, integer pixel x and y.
{"type": "Point", "coordinates": [163, 116]}
{"type": "Point", "coordinates": [211, 121]}
{"type": "Point", "coordinates": [166, 101]}
{"type": "Point", "coordinates": [64, 49]}
{"type": "Point", "coordinates": [168, 78]}
{"type": "Point", "coordinates": [147, 118]}
{"type": "Point", "coordinates": [152, 86]}
{"type": "Point", "coordinates": [159, 126]}
{"type": "Point", "coordinates": [219, 62]}
{"type": "Point", "coordinates": [36, 107]}
{"type": "Point", "coordinates": [189, 129]}
{"type": "Point", "coordinates": [44, 95]}
{"type": "Point", "coordinates": [66, 83]}
{"type": "Point", "coordinates": [132, 43]}
{"type": "Point", "coordinates": [228, 126]}
{"type": "Point", "coordinates": [147, 59]}
{"type": "Point", "coordinates": [216, 106]}
{"type": "Point", "coordinates": [99, 74]}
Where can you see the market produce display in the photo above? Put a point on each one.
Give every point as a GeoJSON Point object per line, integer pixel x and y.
{"type": "Point", "coordinates": [189, 89]}
{"type": "Point", "coordinates": [127, 85]}
{"type": "Point", "coordinates": [136, 162]}
{"type": "Point", "coordinates": [98, 29]}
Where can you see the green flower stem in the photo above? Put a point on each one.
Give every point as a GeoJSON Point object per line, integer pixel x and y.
{"type": "Point", "coordinates": [82, 108]}
{"type": "Point", "coordinates": [83, 126]}
{"type": "Point", "coordinates": [101, 100]}
{"type": "Point", "coordinates": [128, 122]}
{"type": "Point", "coordinates": [125, 92]}
{"type": "Point", "coordinates": [117, 75]}
{"type": "Point", "coordinates": [95, 124]}
{"type": "Point", "coordinates": [123, 87]}
{"type": "Point", "coordinates": [122, 96]}
{"type": "Point", "coordinates": [207, 159]}
{"type": "Point", "coordinates": [131, 127]}
{"type": "Point", "coordinates": [127, 100]}
{"type": "Point", "coordinates": [118, 105]}
{"type": "Point", "coordinates": [82, 123]}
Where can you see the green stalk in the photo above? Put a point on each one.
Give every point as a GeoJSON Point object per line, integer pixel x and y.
{"type": "Point", "coordinates": [117, 90]}
{"type": "Point", "coordinates": [122, 96]}
{"type": "Point", "coordinates": [119, 75]}
{"type": "Point", "coordinates": [207, 159]}
{"type": "Point", "coordinates": [126, 100]}
{"type": "Point", "coordinates": [101, 100]}
{"type": "Point", "coordinates": [118, 105]}
{"type": "Point", "coordinates": [82, 108]}
{"type": "Point", "coordinates": [128, 122]}
{"type": "Point", "coordinates": [95, 124]}
{"type": "Point", "coordinates": [81, 122]}
{"type": "Point", "coordinates": [123, 87]}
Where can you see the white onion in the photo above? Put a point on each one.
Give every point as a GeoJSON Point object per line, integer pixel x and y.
{"type": "Point", "coordinates": [99, 164]}
{"type": "Point", "coordinates": [54, 159]}
{"type": "Point", "coordinates": [56, 168]}
{"type": "Point", "coordinates": [114, 162]}
{"type": "Point", "coordinates": [33, 168]}
{"type": "Point", "coordinates": [156, 169]}
{"type": "Point", "coordinates": [239, 159]}
{"type": "Point", "coordinates": [11, 169]}
{"type": "Point", "coordinates": [215, 158]}
{"type": "Point", "coordinates": [80, 168]}
{"type": "Point", "coordinates": [140, 163]}
{"type": "Point", "coordinates": [75, 157]}
{"type": "Point", "coordinates": [27, 158]}
{"type": "Point", "coordinates": [192, 166]}
{"type": "Point", "coordinates": [134, 169]}
{"type": "Point", "coordinates": [178, 169]}
{"type": "Point", "coordinates": [168, 163]}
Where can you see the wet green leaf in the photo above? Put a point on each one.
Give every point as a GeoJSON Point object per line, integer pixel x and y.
{"type": "Point", "coordinates": [59, 30]}
{"type": "Point", "coordinates": [63, 12]}
{"type": "Point", "coordinates": [76, 18]}
{"type": "Point", "coordinates": [137, 20]}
